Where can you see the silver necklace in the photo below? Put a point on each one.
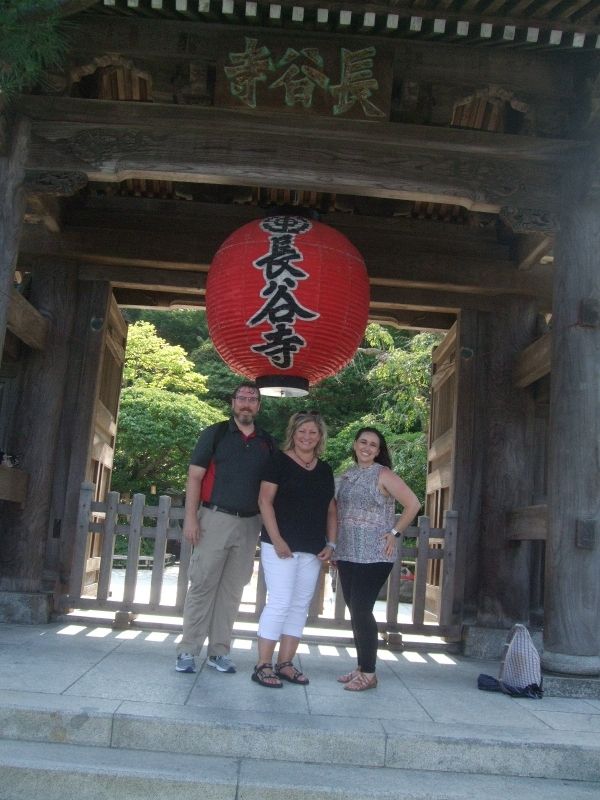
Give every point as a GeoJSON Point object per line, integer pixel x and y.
{"type": "Point", "coordinates": [301, 460]}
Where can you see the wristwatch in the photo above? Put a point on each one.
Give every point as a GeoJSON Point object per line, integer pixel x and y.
{"type": "Point", "coordinates": [333, 545]}
{"type": "Point", "coordinates": [396, 533]}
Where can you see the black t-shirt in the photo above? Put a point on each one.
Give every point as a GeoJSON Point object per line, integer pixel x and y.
{"type": "Point", "coordinates": [301, 502]}
{"type": "Point", "coordinates": [238, 462]}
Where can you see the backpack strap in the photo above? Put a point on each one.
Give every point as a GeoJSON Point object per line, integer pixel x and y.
{"type": "Point", "coordinates": [222, 428]}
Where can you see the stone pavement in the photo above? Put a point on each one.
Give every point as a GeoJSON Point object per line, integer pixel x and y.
{"type": "Point", "coordinates": [85, 708]}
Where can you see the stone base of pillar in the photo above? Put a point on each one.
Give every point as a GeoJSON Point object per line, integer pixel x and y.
{"type": "Point", "coordinates": [25, 608]}
{"type": "Point", "coordinates": [570, 665]}
{"type": "Point", "coordinates": [488, 643]}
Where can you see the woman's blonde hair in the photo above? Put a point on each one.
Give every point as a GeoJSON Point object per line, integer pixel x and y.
{"type": "Point", "coordinates": [298, 419]}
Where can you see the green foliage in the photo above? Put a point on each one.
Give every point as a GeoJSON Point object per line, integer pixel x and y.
{"type": "Point", "coordinates": [221, 380]}
{"type": "Point", "coordinates": [32, 39]}
{"type": "Point", "coordinates": [151, 361]}
{"type": "Point", "coordinates": [157, 433]}
{"type": "Point", "coordinates": [402, 380]}
{"type": "Point", "coordinates": [160, 414]}
{"type": "Point", "coordinates": [339, 399]}
{"type": "Point", "coordinates": [183, 327]}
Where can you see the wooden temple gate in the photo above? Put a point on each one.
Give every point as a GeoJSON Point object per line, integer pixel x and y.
{"type": "Point", "coordinates": [455, 144]}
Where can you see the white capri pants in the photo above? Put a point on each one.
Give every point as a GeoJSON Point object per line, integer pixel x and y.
{"type": "Point", "coordinates": [291, 584]}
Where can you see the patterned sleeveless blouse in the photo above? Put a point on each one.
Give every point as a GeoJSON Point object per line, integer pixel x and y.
{"type": "Point", "coordinates": [364, 516]}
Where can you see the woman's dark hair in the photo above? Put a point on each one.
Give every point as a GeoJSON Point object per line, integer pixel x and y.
{"type": "Point", "coordinates": [383, 456]}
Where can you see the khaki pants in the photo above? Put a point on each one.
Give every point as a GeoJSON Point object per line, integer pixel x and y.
{"type": "Point", "coordinates": [220, 566]}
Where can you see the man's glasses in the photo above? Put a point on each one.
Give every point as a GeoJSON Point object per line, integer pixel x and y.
{"type": "Point", "coordinates": [249, 398]}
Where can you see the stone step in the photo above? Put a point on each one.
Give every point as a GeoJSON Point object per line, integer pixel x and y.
{"type": "Point", "coordinates": [75, 772]}
{"type": "Point", "coordinates": [388, 744]}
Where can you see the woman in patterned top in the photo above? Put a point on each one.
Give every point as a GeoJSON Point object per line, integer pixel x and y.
{"type": "Point", "coordinates": [366, 549]}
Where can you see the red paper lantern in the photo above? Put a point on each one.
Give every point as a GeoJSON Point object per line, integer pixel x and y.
{"type": "Point", "coordinates": [287, 302]}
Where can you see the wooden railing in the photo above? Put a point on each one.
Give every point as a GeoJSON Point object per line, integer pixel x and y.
{"type": "Point", "coordinates": [163, 523]}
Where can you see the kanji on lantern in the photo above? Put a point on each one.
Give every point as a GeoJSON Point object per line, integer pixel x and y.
{"type": "Point", "coordinates": [287, 302]}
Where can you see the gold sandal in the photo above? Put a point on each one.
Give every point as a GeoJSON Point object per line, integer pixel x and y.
{"type": "Point", "coordinates": [361, 682]}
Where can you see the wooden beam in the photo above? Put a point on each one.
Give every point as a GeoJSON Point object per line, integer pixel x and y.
{"type": "Point", "coordinates": [220, 218]}
{"type": "Point", "coordinates": [534, 362]}
{"type": "Point", "coordinates": [150, 280]}
{"type": "Point", "coordinates": [142, 298]}
{"type": "Point", "coordinates": [439, 479]}
{"type": "Point", "coordinates": [531, 248]}
{"type": "Point", "coordinates": [527, 524]}
{"type": "Point", "coordinates": [12, 206]}
{"type": "Point", "coordinates": [170, 39]}
{"type": "Point", "coordinates": [414, 320]}
{"type": "Point", "coordinates": [44, 209]}
{"type": "Point", "coordinates": [26, 322]}
{"type": "Point", "coordinates": [434, 300]}
{"type": "Point", "coordinates": [112, 141]}
{"type": "Point", "coordinates": [385, 302]}
{"type": "Point", "coordinates": [417, 254]}
{"type": "Point", "coordinates": [442, 445]}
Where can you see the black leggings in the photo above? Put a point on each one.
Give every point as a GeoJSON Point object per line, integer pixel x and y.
{"type": "Point", "coordinates": [361, 584]}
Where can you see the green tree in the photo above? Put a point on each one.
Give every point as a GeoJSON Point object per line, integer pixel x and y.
{"type": "Point", "coordinates": [185, 327]}
{"type": "Point", "coordinates": [160, 415]}
{"type": "Point", "coordinates": [401, 378]}
{"type": "Point", "coordinates": [339, 399]}
{"type": "Point", "coordinates": [157, 432]}
{"type": "Point", "coordinates": [153, 362]}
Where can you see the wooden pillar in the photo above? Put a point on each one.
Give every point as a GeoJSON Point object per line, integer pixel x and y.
{"type": "Point", "coordinates": [504, 569]}
{"type": "Point", "coordinates": [76, 430]}
{"type": "Point", "coordinates": [467, 460]}
{"type": "Point", "coordinates": [572, 586]}
{"type": "Point", "coordinates": [12, 208]}
{"type": "Point", "coordinates": [34, 437]}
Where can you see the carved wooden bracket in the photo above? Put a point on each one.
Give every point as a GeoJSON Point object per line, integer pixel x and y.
{"type": "Point", "coordinates": [529, 220]}
{"type": "Point", "coordinates": [59, 184]}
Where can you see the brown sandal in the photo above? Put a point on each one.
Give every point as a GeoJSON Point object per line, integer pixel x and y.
{"type": "Point", "coordinates": [265, 675]}
{"type": "Point", "coordinates": [349, 676]}
{"type": "Point", "coordinates": [361, 683]}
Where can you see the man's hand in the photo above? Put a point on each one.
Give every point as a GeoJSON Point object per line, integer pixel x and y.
{"type": "Point", "coordinates": [192, 532]}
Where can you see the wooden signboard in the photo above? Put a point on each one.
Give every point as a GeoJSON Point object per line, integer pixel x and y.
{"type": "Point", "coordinates": [306, 76]}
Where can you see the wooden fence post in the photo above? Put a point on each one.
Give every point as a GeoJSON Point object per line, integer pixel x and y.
{"type": "Point", "coordinates": [86, 495]}
{"type": "Point", "coordinates": [448, 610]}
{"type": "Point", "coordinates": [421, 572]}
{"type": "Point", "coordinates": [133, 546]}
{"type": "Point", "coordinates": [108, 544]}
{"type": "Point", "coordinates": [160, 549]}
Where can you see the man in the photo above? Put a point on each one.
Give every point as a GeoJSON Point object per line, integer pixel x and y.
{"type": "Point", "coordinates": [224, 478]}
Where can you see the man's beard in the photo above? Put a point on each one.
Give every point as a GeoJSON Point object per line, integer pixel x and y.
{"type": "Point", "coordinates": [245, 416]}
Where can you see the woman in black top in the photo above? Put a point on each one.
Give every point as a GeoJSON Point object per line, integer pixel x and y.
{"type": "Point", "coordinates": [299, 530]}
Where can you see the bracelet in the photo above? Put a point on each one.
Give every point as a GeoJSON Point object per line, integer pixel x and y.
{"type": "Point", "coordinates": [396, 533]}
{"type": "Point", "coordinates": [333, 545]}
